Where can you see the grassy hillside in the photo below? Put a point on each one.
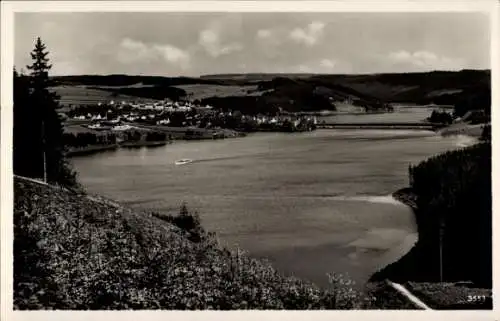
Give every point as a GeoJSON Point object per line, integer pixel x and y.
{"type": "Point", "coordinates": [203, 91]}
{"type": "Point", "coordinates": [81, 95]}
{"type": "Point", "coordinates": [73, 251]}
{"type": "Point", "coordinates": [157, 92]}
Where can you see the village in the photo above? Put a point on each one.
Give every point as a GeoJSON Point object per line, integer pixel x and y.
{"type": "Point", "coordinates": [121, 116]}
{"type": "Point", "coordinates": [112, 124]}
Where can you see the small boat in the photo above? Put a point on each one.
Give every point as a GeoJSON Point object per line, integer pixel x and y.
{"type": "Point", "coordinates": [183, 161]}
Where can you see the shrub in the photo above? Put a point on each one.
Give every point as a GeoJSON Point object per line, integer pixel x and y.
{"type": "Point", "coordinates": [440, 117]}
{"type": "Point", "coordinates": [186, 221]}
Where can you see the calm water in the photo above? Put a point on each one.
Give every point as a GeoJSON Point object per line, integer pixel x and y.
{"type": "Point", "coordinates": [311, 203]}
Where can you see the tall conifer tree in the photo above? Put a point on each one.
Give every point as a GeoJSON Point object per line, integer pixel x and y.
{"type": "Point", "coordinates": [38, 133]}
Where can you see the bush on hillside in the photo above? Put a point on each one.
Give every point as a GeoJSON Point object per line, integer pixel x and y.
{"type": "Point", "coordinates": [440, 117]}
{"type": "Point", "coordinates": [189, 222]}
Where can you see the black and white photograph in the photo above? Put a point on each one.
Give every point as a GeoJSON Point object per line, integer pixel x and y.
{"type": "Point", "coordinates": [267, 159]}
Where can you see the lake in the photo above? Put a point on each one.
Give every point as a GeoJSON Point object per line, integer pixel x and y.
{"type": "Point", "coordinates": [311, 203]}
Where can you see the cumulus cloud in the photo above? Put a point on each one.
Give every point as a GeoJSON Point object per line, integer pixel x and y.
{"type": "Point", "coordinates": [327, 63]}
{"type": "Point", "coordinates": [210, 40]}
{"type": "Point", "coordinates": [264, 34]}
{"type": "Point", "coordinates": [302, 68]}
{"type": "Point", "coordinates": [309, 35]}
{"type": "Point", "coordinates": [424, 60]}
{"type": "Point", "coordinates": [131, 51]}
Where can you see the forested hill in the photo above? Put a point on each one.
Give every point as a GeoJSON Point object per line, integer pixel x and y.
{"type": "Point", "coordinates": [403, 87]}
{"type": "Point", "coordinates": [452, 196]}
{"type": "Point", "coordinates": [306, 91]}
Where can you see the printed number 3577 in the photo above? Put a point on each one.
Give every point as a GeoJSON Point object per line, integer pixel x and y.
{"type": "Point", "coordinates": [476, 298]}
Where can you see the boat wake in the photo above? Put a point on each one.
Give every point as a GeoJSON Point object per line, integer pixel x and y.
{"type": "Point", "coordinates": [465, 141]}
{"type": "Point", "coordinates": [383, 199]}
{"type": "Point", "coordinates": [225, 158]}
{"type": "Point", "coordinates": [183, 161]}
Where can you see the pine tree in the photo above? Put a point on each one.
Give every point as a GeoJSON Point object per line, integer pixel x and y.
{"type": "Point", "coordinates": [38, 133]}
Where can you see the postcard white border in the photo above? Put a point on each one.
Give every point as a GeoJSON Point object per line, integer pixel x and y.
{"type": "Point", "coordinates": [7, 62]}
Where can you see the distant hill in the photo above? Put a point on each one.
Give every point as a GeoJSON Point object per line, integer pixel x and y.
{"type": "Point", "coordinates": [127, 80]}
{"type": "Point", "coordinates": [299, 91]}
{"type": "Point", "coordinates": [254, 77]}
{"type": "Point", "coordinates": [394, 87]}
{"type": "Point", "coordinates": [413, 87]}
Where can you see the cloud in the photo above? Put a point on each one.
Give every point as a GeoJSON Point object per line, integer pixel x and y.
{"type": "Point", "coordinates": [173, 54]}
{"type": "Point", "coordinates": [209, 39]}
{"type": "Point", "coordinates": [264, 34]}
{"type": "Point", "coordinates": [327, 63]}
{"type": "Point", "coordinates": [303, 69]}
{"type": "Point", "coordinates": [310, 35]}
{"type": "Point", "coordinates": [424, 60]}
{"type": "Point", "coordinates": [131, 51]}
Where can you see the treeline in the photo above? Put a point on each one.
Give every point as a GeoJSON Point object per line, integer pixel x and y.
{"type": "Point", "coordinates": [434, 79]}
{"type": "Point", "coordinates": [363, 100]}
{"type": "Point", "coordinates": [387, 87]}
{"type": "Point", "coordinates": [291, 99]}
{"type": "Point", "coordinates": [478, 98]}
{"type": "Point", "coordinates": [88, 139]}
{"type": "Point", "coordinates": [473, 117]}
{"type": "Point", "coordinates": [453, 199]}
{"type": "Point", "coordinates": [454, 193]}
{"type": "Point", "coordinates": [313, 94]}
{"type": "Point", "coordinates": [440, 117]}
{"type": "Point", "coordinates": [156, 136]}
{"type": "Point", "coordinates": [248, 105]}
{"type": "Point", "coordinates": [104, 110]}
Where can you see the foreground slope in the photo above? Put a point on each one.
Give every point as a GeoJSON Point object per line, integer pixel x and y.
{"type": "Point", "coordinates": [73, 251]}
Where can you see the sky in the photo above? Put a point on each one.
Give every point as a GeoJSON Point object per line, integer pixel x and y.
{"type": "Point", "coordinates": [193, 44]}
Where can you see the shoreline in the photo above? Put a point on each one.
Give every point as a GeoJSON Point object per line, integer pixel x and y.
{"type": "Point", "coordinates": [144, 144]}
{"type": "Point", "coordinates": [88, 150]}
{"type": "Point", "coordinates": [399, 270]}
{"type": "Point", "coordinates": [406, 196]}
{"type": "Point", "coordinates": [93, 149]}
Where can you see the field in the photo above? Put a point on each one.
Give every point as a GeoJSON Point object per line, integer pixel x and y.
{"type": "Point", "coordinates": [77, 128]}
{"type": "Point", "coordinates": [81, 95]}
{"type": "Point", "coordinates": [202, 91]}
